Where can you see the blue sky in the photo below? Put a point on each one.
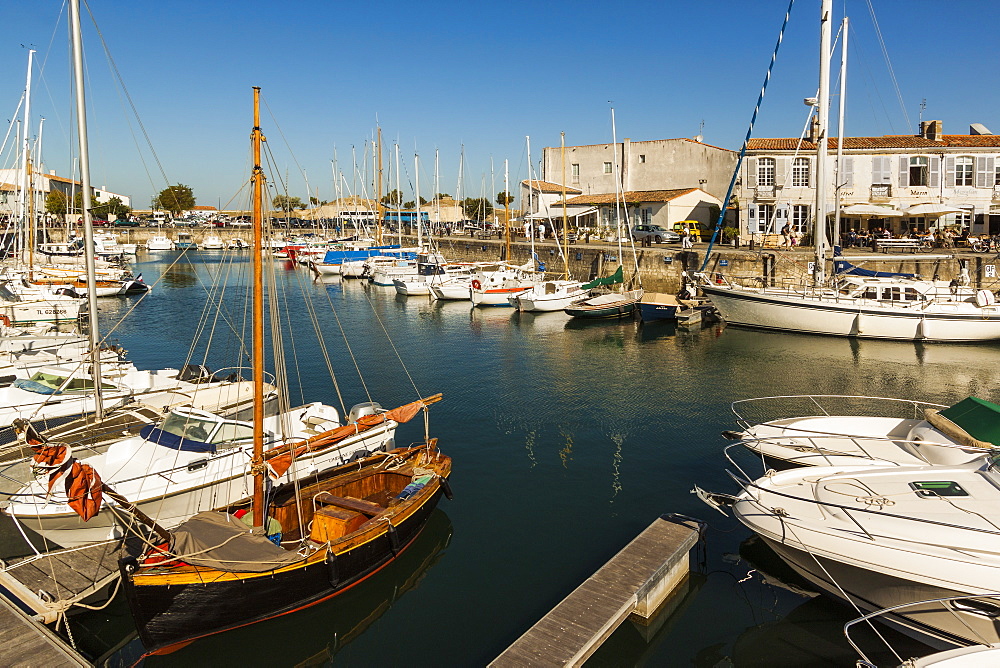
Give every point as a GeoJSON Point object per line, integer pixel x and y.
{"type": "Point", "coordinates": [437, 75]}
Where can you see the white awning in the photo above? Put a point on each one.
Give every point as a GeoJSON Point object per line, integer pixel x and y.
{"type": "Point", "coordinates": [933, 209]}
{"type": "Point", "coordinates": [870, 211]}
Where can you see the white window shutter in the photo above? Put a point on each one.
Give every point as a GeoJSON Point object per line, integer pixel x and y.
{"type": "Point", "coordinates": [812, 173]}
{"type": "Point", "coordinates": [934, 172]}
{"type": "Point", "coordinates": [949, 172]}
{"type": "Point", "coordinates": [782, 176]}
{"type": "Point", "coordinates": [904, 171]}
{"type": "Point", "coordinates": [981, 171]}
{"type": "Point", "coordinates": [751, 172]}
{"type": "Point", "coordinates": [847, 174]}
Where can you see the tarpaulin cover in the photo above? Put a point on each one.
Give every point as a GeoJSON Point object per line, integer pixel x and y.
{"type": "Point", "coordinates": [220, 540]}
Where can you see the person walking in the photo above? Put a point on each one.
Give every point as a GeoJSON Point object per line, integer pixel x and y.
{"type": "Point", "coordinates": [786, 236]}
{"type": "Point", "coordinates": [686, 238]}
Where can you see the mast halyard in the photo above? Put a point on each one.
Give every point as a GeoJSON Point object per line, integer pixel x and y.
{"type": "Point", "coordinates": [506, 211]}
{"type": "Point", "coordinates": [257, 179]}
{"type": "Point", "coordinates": [88, 222]}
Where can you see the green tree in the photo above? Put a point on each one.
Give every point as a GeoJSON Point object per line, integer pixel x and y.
{"type": "Point", "coordinates": [314, 200]}
{"type": "Point", "coordinates": [409, 205]}
{"type": "Point", "coordinates": [287, 203]}
{"type": "Point", "coordinates": [442, 196]}
{"type": "Point", "coordinates": [113, 207]}
{"type": "Point", "coordinates": [393, 198]}
{"type": "Point", "coordinates": [175, 199]}
{"type": "Point", "coordinates": [55, 202]}
{"type": "Point", "coordinates": [478, 208]}
{"type": "Point", "coordinates": [503, 198]}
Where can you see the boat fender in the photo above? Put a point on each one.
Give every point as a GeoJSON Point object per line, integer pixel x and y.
{"type": "Point", "coordinates": [446, 488]}
{"type": "Point", "coordinates": [476, 284]}
{"type": "Point", "coordinates": [718, 279]}
{"type": "Point", "coordinates": [332, 571]}
{"type": "Point", "coordinates": [128, 564]}
{"type": "Point", "coordinates": [732, 435]}
{"type": "Point", "coordinates": [393, 538]}
{"type": "Point", "coordinates": [5, 320]}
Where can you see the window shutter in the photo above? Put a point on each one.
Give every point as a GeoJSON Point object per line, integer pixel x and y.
{"type": "Point", "coordinates": [886, 174]}
{"type": "Point", "coordinates": [847, 175]}
{"type": "Point", "coordinates": [751, 172]}
{"type": "Point", "coordinates": [904, 172]}
{"type": "Point", "coordinates": [934, 172]}
{"type": "Point", "coordinates": [949, 172]}
{"type": "Point", "coordinates": [811, 166]}
{"type": "Point", "coordinates": [877, 169]}
{"type": "Point", "coordinates": [981, 172]}
{"type": "Point", "coordinates": [990, 172]}
{"type": "Point", "coordinates": [782, 177]}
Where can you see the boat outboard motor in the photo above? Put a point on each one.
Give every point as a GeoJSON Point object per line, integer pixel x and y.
{"type": "Point", "coordinates": [194, 373]}
{"type": "Point", "coordinates": [363, 409]}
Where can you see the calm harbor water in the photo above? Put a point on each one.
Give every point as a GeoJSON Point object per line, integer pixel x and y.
{"type": "Point", "coordinates": [568, 439]}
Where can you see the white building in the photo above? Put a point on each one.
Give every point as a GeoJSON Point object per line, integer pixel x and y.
{"type": "Point", "coordinates": [892, 171]}
{"type": "Point", "coordinates": [648, 207]}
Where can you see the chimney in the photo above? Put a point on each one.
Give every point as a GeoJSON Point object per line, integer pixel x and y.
{"type": "Point", "coordinates": [932, 130]}
{"type": "Point", "coordinates": [814, 129]}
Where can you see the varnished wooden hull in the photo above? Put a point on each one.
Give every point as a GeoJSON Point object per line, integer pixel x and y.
{"type": "Point", "coordinates": [170, 614]}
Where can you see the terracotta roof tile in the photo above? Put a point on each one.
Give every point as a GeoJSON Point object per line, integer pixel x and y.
{"type": "Point", "coordinates": [631, 197]}
{"type": "Point", "coordinates": [885, 141]}
{"type": "Point", "coordinates": [549, 187]}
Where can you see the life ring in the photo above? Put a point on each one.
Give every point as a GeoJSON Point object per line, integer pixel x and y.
{"type": "Point", "coordinates": [5, 320]}
{"type": "Point", "coordinates": [476, 285]}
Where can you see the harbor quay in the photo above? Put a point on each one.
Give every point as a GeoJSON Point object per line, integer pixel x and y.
{"type": "Point", "coordinates": [661, 266]}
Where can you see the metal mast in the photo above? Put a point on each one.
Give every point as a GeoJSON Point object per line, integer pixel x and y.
{"type": "Point", "coordinates": [823, 118]}
{"type": "Point", "coordinates": [88, 223]}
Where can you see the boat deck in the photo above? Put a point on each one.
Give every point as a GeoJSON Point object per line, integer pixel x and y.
{"type": "Point", "coordinates": [53, 582]}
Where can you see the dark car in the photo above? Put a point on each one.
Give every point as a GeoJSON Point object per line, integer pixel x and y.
{"type": "Point", "coordinates": [121, 222]}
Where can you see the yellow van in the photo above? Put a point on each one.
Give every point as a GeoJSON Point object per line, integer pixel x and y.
{"type": "Point", "coordinates": [694, 227]}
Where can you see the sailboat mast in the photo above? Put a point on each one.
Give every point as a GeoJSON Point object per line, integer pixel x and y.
{"type": "Point", "coordinates": [399, 201]}
{"type": "Point", "coordinates": [378, 191]}
{"type": "Point", "coordinates": [25, 155]}
{"type": "Point", "coordinates": [257, 178]}
{"type": "Point", "coordinates": [841, 103]}
{"type": "Point", "coordinates": [527, 141]}
{"type": "Point", "coordinates": [416, 199]}
{"type": "Point", "coordinates": [823, 117]}
{"type": "Point", "coordinates": [562, 153]}
{"type": "Point", "coordinates": [88, 222]}
{"type": "Point", "coordinates": [506, 209]}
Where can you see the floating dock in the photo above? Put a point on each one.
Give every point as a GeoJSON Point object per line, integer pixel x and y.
{"type": "Point", "coordinates": [26, 642]}
{"type": "Point", "coordinates": [637, 580]}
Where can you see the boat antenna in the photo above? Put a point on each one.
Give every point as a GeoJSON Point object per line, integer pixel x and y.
{"type": "Point", "coordinates": [88, 222]}
{"type": "Point", "coordinates": [257, 466]}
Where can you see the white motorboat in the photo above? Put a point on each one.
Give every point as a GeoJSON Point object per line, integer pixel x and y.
{"type": "Point", "coordinates": [835, 430]}
{"type": "Point", "coordinates": [191, 461]}
{"type": "Point", "coordinates": [212, 243]}
{"type": "Point", "coordinates": [160, 243]}
{"type": "Point", "coordinates": [882, 537]}
{"type": "Point", "coordinates": [491, 285]}
{"type": "Point", "coordinates": [452, 289]}
{"type": "Point", "coordinates": [15, 309]}
{"type": "Point", "coordinates": [237, 244]}
{"type": "Point", "coordinates": [548, 296]}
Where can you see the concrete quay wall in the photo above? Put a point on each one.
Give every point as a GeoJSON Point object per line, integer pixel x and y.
{"type": "Point", "coordinates": [661, 265]}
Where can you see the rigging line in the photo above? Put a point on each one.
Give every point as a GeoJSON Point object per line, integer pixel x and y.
{"type": "Point", "coordinates": [743, 149]}
{"type": "Point", "coordinates": [861, 58]}
{"type": "Point", "coordinates": [124, 89]}
{"type": "Point", "coordinates": [888, 63]}
{"type": "Point", "coordinates": [388, 338]}
{"type": "Point", "coordinates": [350, 353]}
{"type": "Point", "coordinates": [283, 138]}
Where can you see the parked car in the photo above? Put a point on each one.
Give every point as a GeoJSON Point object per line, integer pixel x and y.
{"type": "Point", "coordinates": [98, 222]}
{"type": "Point", "coordinates": [657, 233]}
{"type": "Point", "coordinates": [124, 222]}
{"type": "Point", "coordinates": [694, 228]}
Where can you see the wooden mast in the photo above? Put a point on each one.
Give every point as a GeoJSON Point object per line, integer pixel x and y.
{"type": "Point", "coordinates": [257, 179]}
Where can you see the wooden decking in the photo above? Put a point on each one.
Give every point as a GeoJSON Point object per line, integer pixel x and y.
{"type": "Point", "coordinates": [51, 583]}
{"type": "Point", "coordinates": [25, 642]}
{"type": "Point", "coordinates": [637, 579]}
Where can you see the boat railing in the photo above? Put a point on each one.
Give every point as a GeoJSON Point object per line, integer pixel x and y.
{"type": "Point", "coordinates": [815, 444]}
{"type": "Point", "coordinates": [756, 410]}
{"type": "Point", "coordinates": [752, 488]}
{"type": "Point", "coordinates": [986, 605]}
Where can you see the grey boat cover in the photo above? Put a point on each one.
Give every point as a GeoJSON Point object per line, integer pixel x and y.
{"type": "Point", "coordinates": [219, 540]}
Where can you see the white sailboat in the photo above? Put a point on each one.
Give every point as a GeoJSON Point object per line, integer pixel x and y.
{"type": "Point", "coordinates": [856, 302]}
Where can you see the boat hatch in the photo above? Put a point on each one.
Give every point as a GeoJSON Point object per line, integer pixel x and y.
{"type": "Point", "coordinates": [934, 488]}
{"type": "Point", "coordinates": [50, 383]}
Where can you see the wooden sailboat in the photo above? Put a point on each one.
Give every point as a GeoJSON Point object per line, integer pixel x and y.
{"type": "Point", "coordinates": [302, 545]}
